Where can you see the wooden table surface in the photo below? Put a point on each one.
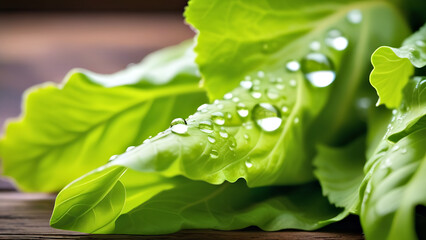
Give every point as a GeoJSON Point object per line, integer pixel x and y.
{"type": "Point", "coordinates": [35, 48]}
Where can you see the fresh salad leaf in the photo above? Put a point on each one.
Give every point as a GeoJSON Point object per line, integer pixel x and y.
{"type": "Point", "coordinates": [340, 172]}
{"type": "Point", "coordinates": [159, 205]}
{"type": "Point", "coordinates": [69, 129]}
{"type": "Point", "coordinates": [394, 66]}
{"type": "Point", "coordinates": [265, 40]}
{"type": "Point", "coordinates": [393, 189]}
{"type": "Point", "coordinates": [255, 136]}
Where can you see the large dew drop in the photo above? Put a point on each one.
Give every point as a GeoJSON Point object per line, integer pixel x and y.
{"type": "Point", "coordinates": [267, 117]}
{"type": "Point", "coordinates": [318, 69]}
{"type": "Point", "coordinates": [179, 126]}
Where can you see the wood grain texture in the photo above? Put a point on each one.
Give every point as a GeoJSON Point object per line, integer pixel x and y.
{"type": "Point", "coordinates": [27, 216]}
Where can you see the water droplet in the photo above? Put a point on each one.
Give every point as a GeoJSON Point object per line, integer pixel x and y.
{"type": "Point", "coordinates": [227, 96]}
{"type": "Point", "coordinates": [232, 143]}
{"type": "Point", "coordinates": [242, 110]}
{"type": "Point", "coordinates": [296, 120]}
{"type": "Point", "coordinates": [336, 41]}
{"type": "Point", "coordinates": [236, 99]}
{"type": "Point", "coordinates": [218, 118]}
{"type": "Point", "coordinates": [395, 148]}
{"type": "Point", "coordinates": [267, 117]}
{"type": "Point", "coordinates": [214, 154]}
{"type": "Point", "coordinates": [421, 44]}
{"type": "Point", "coordinates": [404, 150]}
{"type": "Point", "coordinates": [146, 141]}
{"type": "Point", "coordinates": [246, 137]}
{"type": "Point", "coordinates": [248, 125]}
{"type": "Point", "coordinates": [246, 84]}
{"type": "Point", "coordinates": [261, 74]}
{"type": "Point", "coordinates": [272, 93]}
{"type": "Point", "coordinates": [256, 82]}
{"type": "Point", "coordinates": [363, 103]}
{"type": "Point", "coordinates": [315, 46]}
{"type": "Point", "coordinates": [318, 69]}
{"type": "Point", "coordinates": [292, 82]}
{"type": "Point", "coordinates": [228, 115]}
{"type": "Point", "coordinates": [202, 108]}
{"type": "Point", "coordinates": [206, 126]}
{"type": "Point", "coordinates": [211, 139]}
{"type": "Point", "coordinates": [249, 164]}
{"type": "Point", "coordinates": [414, 52]}
{"type": "Point", "coordinates": [280, 80]}
{"type": "Point", "coordinates": [386, 164]}
{"type": "Point", "coordinates": [113, 157]}
{"type": "Point", "coordinates": [223, 133]}
{"type": "Point", "coordinates": [284, 109]}
{"type": "Point", "coordinates": [292, 66]}
{"type": "Point", "coordinates": [179, 126]}
{"type": "Point", "coordinates": [394, 112]}
{"type": "Point", "coordinates": [256, 94]}
{"type": "Point", "coordinates": [201, 83]}
{"type": "Point", "coordinates": [130, 148]}
{"type": "Point", "coordinates": [354, 16]}
{"type": "Point", "coordinates": [265, 47]}
{"type": "Point", "coordinates": [247, 78]}
{"type": "Point", "coordinates": [280, 86]}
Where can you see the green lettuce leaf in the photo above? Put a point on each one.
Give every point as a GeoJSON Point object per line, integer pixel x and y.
{"type": "Point", "coordinates": [261, 131]}
{"type": "Point", "coordinates": [340, 173]}
{"type": "Point", "coordinates": [393, 188]}
{"type": "Point", "coordinates": [394, 66]}
{"type": "Point", "coordinates": [237, 40]}
{"type": "Point", "coordinates": [157, 205]}
{"type": "Point", "coordinates": [69, 129]}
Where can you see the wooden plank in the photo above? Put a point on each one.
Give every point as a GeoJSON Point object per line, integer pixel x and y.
{"type": "Point", "coordinates": [27, 216]}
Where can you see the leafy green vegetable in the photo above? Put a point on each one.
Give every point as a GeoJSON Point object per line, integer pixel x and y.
{"type": "Point", "coordinates": [160, 205]}
{"type": "Point", "coordinates": [394, 182]}
{"type": "Point", "coordinates": [394, 190]}
{"type": "Point", "coordinates": [289, 104]}
{"type": "Point", "coordinates": [239, 38]}
{"type": "Point", "coordinates": [69, 129]}
{"type": "Point", "coordinates": [259, 131]}
{"type": "Point", "coordinates": [394, 66]}
{"type": "Point", "coordinates": [340, 172]}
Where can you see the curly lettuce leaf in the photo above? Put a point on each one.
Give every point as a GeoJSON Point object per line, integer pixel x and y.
{"type": "Point", "coordinates": [69, 129]}
{"type": "Point", "coordinates": [340, 173]}
{"type": "Point", "coordinates": [154, 204]}
{"type": "Point", "coordinates": [394, 66]}
{"type": "Point", "coordinates": [393, 189]}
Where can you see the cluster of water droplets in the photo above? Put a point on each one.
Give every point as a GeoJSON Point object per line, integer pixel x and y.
{"type": "Point", "coordinates": [316, 68]}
